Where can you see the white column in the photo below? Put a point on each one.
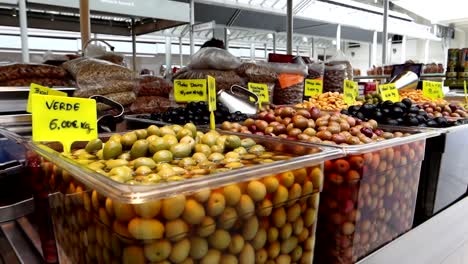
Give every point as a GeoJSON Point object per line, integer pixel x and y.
{"type": "Point", "coordinates": [274, 42]}
{"type": "Point", "coordinates": [192, 21]}
{"type": "Point", "coordinates": [385, 32]}
{"type": "Point", "coordinates": [168, 58]}
{"type": "Point", "coordinates": [181, 53]}
{"type": "Point", "coordinates": [403, 49]}
{"type": "Point", "coordinates": [374, 49]}
{"type": "Point", "coordinates": [297, 50]}
{"type": "Point", "coordinates": [426, 51]}
{"type": "Point", "coordinates": [265, 46]}
{"type": "Point", "coordinates": [338, 37]}
{"type": "Point", "coordinates": [290, 27]}
{"type": "Point", "coordinates": [23, 31]}
{"type": "Point", "coordinates": [252, 51]}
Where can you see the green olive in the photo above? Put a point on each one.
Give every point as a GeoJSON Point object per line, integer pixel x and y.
{"type": "Point", "coordinates": [184, 132]}
{"type": "Point", "coordinates": [228, 259]}
{"type": "Point", "coordinates": [237, 244]}
{"type": "Point", "coordinates": [143, 170]}
{"type": "Point", "coordinates": [180, 251]}
{"type": "Point", "coordinates": [173, 207]}
{"type": "Point", "coordinates": [220, 239]}
{"type": "Point", "coordinates": [220, 140]}
{"type": "Point", "coordinates": [181, 150]}
{"type": "Point", "coordinates": [216, 157]}
{"type": "Point", "coordinates": [170, 139]}
{"type": "Point", "coordinates": [193, 212]}
{"type": "Point", "coordinates": [153, 178]}
{"type": "Point", "coordinates": [128, 139]}
{"type": "Point", "coordinates": [100, 154]}
{"type": "Point", "coordinates": [191, 127]}
{"type": "Point", "coordinates": [111, 149]}
{"type": "Point", "coordinates": [93, 145]}
{"type": "Point", "coordinates": [232, 142]}
{"type": "Point", "coordinates": [260, 239]}
{"type": "Point", "coordinates": [198, 247]}
{"type": "Point", "coordinates": [199, 157]}
{"type": "Point", "coordinates": [176, 128]}
{"type": "Point", "coordinates": [188, 140]}
{"type": "Point", "coordinates": [232, 156]}
{"type": "Point", "coordinates": [206, 227]}
{"type": "Point", "coordinates": [157, 144]}
{"type": "Point", "coordinates": [163, 156]}
{"type": "Point", "coordinates": [125, 156]}
{"type": "Point", "coordinates": [158, 251]}
{"type": "Point", "coordinates": [256, 149]}
{"type": "Point", "coordinates": [217, 149]}
{"type": "Point", "coordinates": [166, 173]}
{"type": "Point", "coordinates": [139, 148]}
{"type": "Point", "coordinates": [144, 161]}
{"type": "Point", "coordinates": [141, 133]}
{"type": "Point", "coordinates": [232, 194]}
{"type": "Point", "coordinates": [96, 165]}
{"type": "Point", "coordinates": [166, 130]}
{"type": "Point", "coordinates": [209, 139]}
{"type": "Point", "coordinates": [115, 137]}
{"type": "Point", "coordinates": [250, 228]}
{"type": "Point", "coordinates": [248, 143]}
{"type": "Point", "coordinates": [148, 210]}
{"type": "Point", "coordinates": [146, 228]}
{"type": "Point", "coordinates": [228, 218]}
{"type": "Point", "coordinates": [216, 204]}
{"type": "Point", "coordinates": [110, 164]}
{"type": "Point", "coordinates": [203, 148]}
{"type": "Point", "coordinates": [245, 207]}
{"type": "Point", "coordinates": [176, 230]}
{"type": "Point", "coordinates": [122, 172]}
{"type": "Point", "coordinates": [247, 255]}
{"type": "Point", "coordinates": [213, 256]}
{"type": "Point", "coordinates": [153, 130]}
{"type": "Point", "coordinates": [240, 150]}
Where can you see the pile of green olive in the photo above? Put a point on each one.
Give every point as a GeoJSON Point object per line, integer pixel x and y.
{"type": "Point", "coordinates": [268, 219]}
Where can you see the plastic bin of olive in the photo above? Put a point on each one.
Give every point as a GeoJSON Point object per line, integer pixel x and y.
{"type": "Point", "coordinates": [369, 196]}
{"type": "Point", "coordinates": [267, 211]}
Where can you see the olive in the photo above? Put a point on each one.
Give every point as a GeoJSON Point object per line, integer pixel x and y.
{"type": "Point", "coordinates": [112, 149]}
{"type": "Point", "coordinates": [139, 148]}
{"type": "Point", "coordinates": [93, 145]}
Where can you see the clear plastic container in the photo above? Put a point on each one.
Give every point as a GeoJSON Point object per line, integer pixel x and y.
{"type": "Point", "coordinates": [369, 196]}
{"type": "Point", "coordinates": [266, 211]}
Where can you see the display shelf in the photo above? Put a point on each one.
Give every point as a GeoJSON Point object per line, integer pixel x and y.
{"type": "Point", "coordinates": [6, 89]}
{"type": "Point", "coordinates": [423, 76]}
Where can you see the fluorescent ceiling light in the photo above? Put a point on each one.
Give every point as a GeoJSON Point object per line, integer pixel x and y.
{"type": "Point", "coordinates": [304, 39]}
{"type": "Point", "coordinates": [334, 42]}
{"type": "Point", "coordinates": [270, 36]}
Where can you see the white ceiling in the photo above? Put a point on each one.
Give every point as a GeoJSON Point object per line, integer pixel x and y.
{"type": "Point", "coordinates": [441, 12]}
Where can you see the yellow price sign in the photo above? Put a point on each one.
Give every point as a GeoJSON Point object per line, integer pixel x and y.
{"type": "Point", "coordinates": [433, 90]}
{"type": "Point", "coordinates": [39, 89]}
{"type": "Point", "coordinates": [350, 92]}
{"type": "Point", "coordinates": [190, 90]}
{"type": "Point", "coordinates": [64, 119]}
{"type": "Point", "coordinates": [261, 90]}
{"type": "Point", "coordinates": [313, 87]}
{"type": "Point", "coordinates": [211, 93]}
{"type": "Point", "coordinates": [212, 100]}
{"type": "Point", "coordinates": [389, 92]}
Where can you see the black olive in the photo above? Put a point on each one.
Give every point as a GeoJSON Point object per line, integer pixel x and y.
{"type": "Point", "coordinates": [344, 112]}
{"type": "Point", "coordinates": [400, 120]}
{"type": "Point", "coordinates": [407, 102]}
{"type": "Point", "coordinates": [442, 121]}
{"type": "Point", "coordinates": [412, 121]}
{"type": "Point", "coordinates": [432, 123]}
{"type": "Point", "coordinates": [401, 105]}
{"type": "Point", "coordinates": [421, 118]}
{"type": "Point", "coordinates": [391, 122]}
{"type": "Point", "coordinates": [360, 115]}
{"type": "Point", "coordinates": [386, 112]}
{"type": "Point", "coordinates": [397, 111]}
{"type": "Point", "coordinates": [353, 108]}
{"type": "Point", "coordinates": [378, 115]}
{"type": "Point", "coordinates": [387, 103]}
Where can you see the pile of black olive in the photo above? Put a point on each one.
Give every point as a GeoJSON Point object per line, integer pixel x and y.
{"type": "Point", "coordinates": [403, 113]}
{"type": "Point", "coordinates": [198, 114]}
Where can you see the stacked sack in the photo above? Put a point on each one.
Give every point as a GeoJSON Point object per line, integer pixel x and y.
{"type": "Point", "coordinates": [216, 62]}
{"type": "Point", "coordinates": [21, 74]}
{"type": "Point", "coordinates": [153, 95]}
{"type": "Point", "coordinates": [258, 73]}
{"type": "Point", "coordinates": [99, 77]}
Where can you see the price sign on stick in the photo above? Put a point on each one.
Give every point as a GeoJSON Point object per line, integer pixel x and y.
{"type": "Point", "coordinates": [433, 90]}
{"type": "Point", "coordinates": [212, 100]}
{"type": "Point", "coordinates": [190, 90]}
{"type": "Point", "coordinates": [313, 87]}
{"type": "Point", "coordinates": [389, 92]}
{"type": "Point", "coordinates": [64, 119]}
{"type": "Point", "coordinates": [39, 89]}
{"type": "Point", "coordinates": [261, 90]}
{"type": "Point", "coordinates": [350, 92]}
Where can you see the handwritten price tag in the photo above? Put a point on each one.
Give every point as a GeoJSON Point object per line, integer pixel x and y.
{"type": "Point", "coordinates": [350, 92]}
{"type": "Point", "coordinates": [261, 90]}
{"type": "Point", "coordinates": [433, 90]}
{"type": "Point", "coordinates": [39, 89]}
{"type": "Point", "coordinates": [211, 93]}
{"type": "Point", "coordinates": [389, 92]}
{"type": "Point", "coordinates": [190, 90]}
{"type": "Point", "coordinates": [64, 119]}
{"type": "Point", "coordinates": [313, 87]}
